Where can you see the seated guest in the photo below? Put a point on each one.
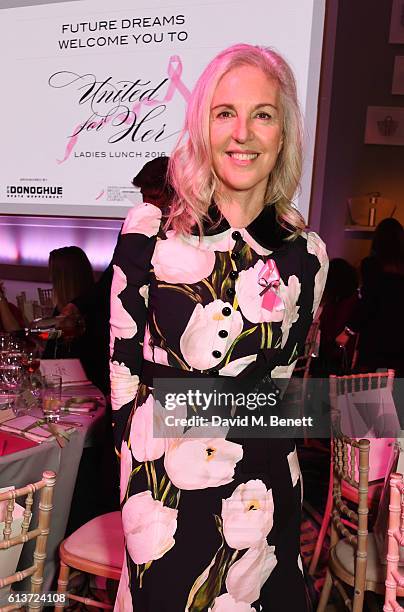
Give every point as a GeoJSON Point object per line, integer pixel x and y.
{"type": "Point", "coordinates": [379, 317]}
{"type": "Point", "coordinates": [11, 318]}
{"type": "Point", "coordinates": [71, 275]}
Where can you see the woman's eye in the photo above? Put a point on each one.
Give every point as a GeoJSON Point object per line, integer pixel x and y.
{"type": "Point", "coordinates": [225, 114]}
{"type": "Point", "coordinates": [263, 115]}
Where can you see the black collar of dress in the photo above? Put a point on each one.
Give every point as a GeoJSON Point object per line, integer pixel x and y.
{"type": "Point", "coordinates": [265, 228]}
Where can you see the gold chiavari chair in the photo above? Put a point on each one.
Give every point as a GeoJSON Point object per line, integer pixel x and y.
{"type": "Point", "coordinates": [349, 526]}
{"type": "Point", "coordinates": [39, 533]}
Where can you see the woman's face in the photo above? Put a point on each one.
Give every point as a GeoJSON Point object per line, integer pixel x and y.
{"type": "Point", "coordinates": [245, 130]}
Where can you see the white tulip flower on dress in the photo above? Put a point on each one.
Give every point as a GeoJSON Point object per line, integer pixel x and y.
{"type": "Point", "coordinates": [248, 515]}
{"type": "Point", "coordinates": [290, 294]}
{"type": "Point", "coordinates": [315, 246]}
{"type": "Point", "coordinates": [247, 575]}
{"type": "Point", "coordinates": [144, 292]}
{"type": "Point", "coordinates": [295, 472]}
{"type": "Point", "coordinates": [126, 469]}
{"type": "Point", "coordinates": [153, 353]}
{"type": "Point", "coordinates": [226, 603]}
{"type": "Point", "coordinates": [199, 463]}
{"type": "Point", "coordinates": [124, 385]}
{"type": "Point", "coordinates": [149, 527]}
{"type": "Point", "coordinates": [233, 368]}
{"type": "Point", "coordinates": [294, 466]}
{"type": "Point", "coordinates": [123, 601]}
{"type": "Point", "coordinates": [143, 219]}
{"type": "Point", "coordinates": [147, 424]}
{"type": "Point", "coordinates": [176, 261]}
{"type": "Point", "coordinates": [201, 334]}
{"type": "Point", "coordinates": [122, 324]}
{"type": "Point", "coordinates": [283, 371]}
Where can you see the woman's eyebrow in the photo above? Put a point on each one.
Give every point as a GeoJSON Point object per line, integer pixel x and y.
{"type": "Point", "coordinates": [260, 105]}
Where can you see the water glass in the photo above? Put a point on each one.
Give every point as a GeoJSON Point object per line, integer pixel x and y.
{"type": "Point", "coordinates": [4, 344]}
{"type": "Point", "coordinates": [52, 397]}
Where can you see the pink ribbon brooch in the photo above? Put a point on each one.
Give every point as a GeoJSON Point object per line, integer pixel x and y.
{"type": "Point", "coordinates": [269, 278]}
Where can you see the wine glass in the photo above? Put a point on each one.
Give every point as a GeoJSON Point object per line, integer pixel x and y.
{"type": "Point", "coordinates": [30, 360]}
{"type": "Point", "coordinates": [16, 345]}
{"type": "Point", "coordinates": [30, 363]}
{"type": "Point", "coordinates": [11, 375]}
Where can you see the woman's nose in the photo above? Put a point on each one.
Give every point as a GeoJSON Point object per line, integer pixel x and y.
{"type": "Point", "coordinates": [242, 129]}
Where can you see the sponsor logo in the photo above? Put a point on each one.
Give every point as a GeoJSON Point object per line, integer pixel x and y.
{"type": "Point", "coordinates": [34, 191]}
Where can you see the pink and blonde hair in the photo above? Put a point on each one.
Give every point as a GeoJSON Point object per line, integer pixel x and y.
{"type": "Point", "coordinates": [191, 170]}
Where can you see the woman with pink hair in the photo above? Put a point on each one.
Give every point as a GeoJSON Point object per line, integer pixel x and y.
{"type": "Point", "coordinates": [225, 287]}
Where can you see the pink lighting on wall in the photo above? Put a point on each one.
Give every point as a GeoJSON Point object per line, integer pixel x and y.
{"type": "Point", "coordinates": [8, 247]}
{"type": "Point", "coordinates": [35, 247]}
{"type": "Point", "coordinates": [29, 240]}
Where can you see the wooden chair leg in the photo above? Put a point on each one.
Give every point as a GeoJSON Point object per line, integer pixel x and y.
{"type": "Point", "coordinates": [63, 582]}
{"type": "Point", "coordinates": [325, 593]}
{"type": "Point", "coordinates": [324, 526]}
{"type": "Point", "coordinates": [358, 601]}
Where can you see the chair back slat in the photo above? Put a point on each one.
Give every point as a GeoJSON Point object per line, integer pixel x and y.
{"type": "Point", "coordinates": [17, 577]}
{"type": "Point", "coordinates": [45, 297]}
{"type": "Point", "coordinates": [352, 467]}
{"type": "Point", "coordinates": [8, 519]}
{"type": "Point", "coordinates": [27, 513]}
{"type": "Point", "coordinates": [21, 538]}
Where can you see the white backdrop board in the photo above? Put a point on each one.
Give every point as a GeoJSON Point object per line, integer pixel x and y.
{"type": "Point", "coordinates": [92, 90]}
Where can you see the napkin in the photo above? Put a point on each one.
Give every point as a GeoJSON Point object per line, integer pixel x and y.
{"type": "Point", "coordinates": [31, 428]}
{"type": "Point", "coordinates": [80, 404]}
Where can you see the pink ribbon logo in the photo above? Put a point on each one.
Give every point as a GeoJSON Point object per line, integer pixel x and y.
{"type": "Point", "coordinates": [269, 278]}
{"type": "Point", "coordinates": [174, 71]}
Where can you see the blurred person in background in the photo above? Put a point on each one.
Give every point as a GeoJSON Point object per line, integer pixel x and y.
{"type": "Point", "coordinates": [154, 185]}
{"type": "Point", "coordinates": [71, 275]}
{"type": "Point", "coordinates": [379, 317]}
{"type": "Point", "coordinates": [386, 255]}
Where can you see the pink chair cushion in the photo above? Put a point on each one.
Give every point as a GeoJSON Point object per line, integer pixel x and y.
{"type": "Point", "coordinates": [100, 540]}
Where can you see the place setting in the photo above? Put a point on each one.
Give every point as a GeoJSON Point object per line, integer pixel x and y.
{"type": "Point", "coordinates": [35, 402]}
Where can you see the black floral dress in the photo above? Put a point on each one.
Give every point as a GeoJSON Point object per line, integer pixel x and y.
{"type": "Point", "coordinates": [210, 524]}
